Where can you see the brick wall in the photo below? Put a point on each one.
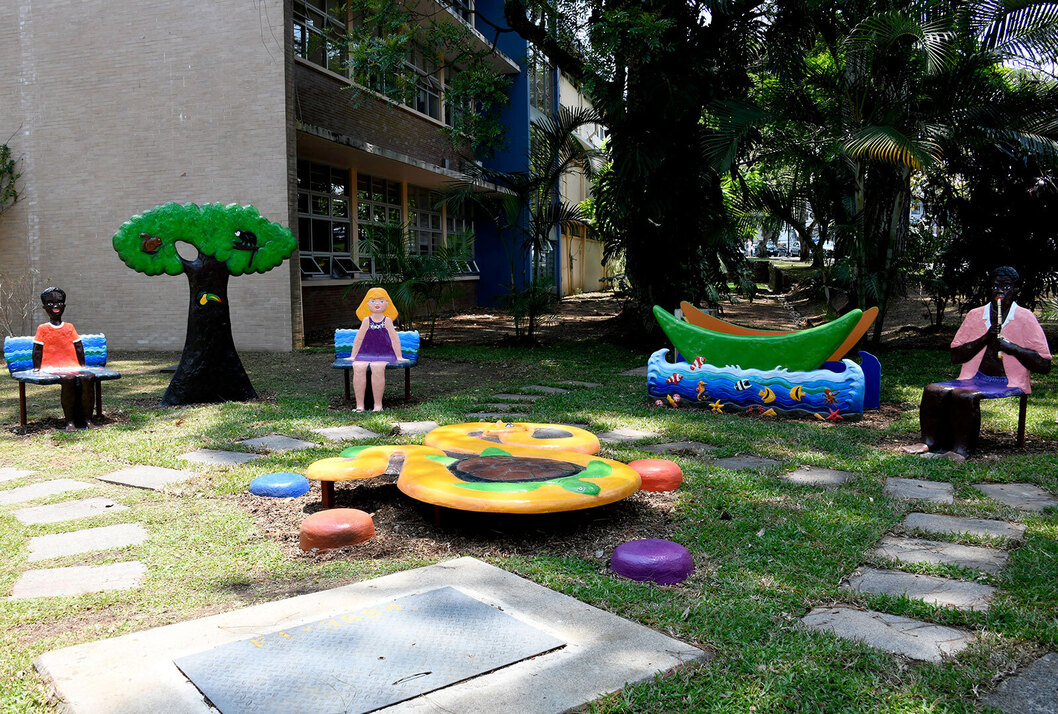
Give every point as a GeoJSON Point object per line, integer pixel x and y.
{"type": "Point", "coordinates": [326, 309]}
{"type": "Point", "coordinates": [320, 100]}
{"type": "Point", "coordinates": [119, 107]}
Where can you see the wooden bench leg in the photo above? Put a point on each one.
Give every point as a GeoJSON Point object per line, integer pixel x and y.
{"type": "Point", "coordinates": [1021, 420]}
{"type": "Point", "coordinates": [407, 384]}
{"type": "Point", "coordinates": [22, 403]}
{"type": "Point", "coordinates": [347, 397]}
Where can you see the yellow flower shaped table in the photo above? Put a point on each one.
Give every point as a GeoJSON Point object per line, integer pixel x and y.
{"type": "Point", "coordinates": [467, 468]}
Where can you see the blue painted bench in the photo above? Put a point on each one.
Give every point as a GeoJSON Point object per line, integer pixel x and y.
{"type": "Point", "coordinates": [409, 349]}
{"type": "Point", "coordinates": [18, 355]}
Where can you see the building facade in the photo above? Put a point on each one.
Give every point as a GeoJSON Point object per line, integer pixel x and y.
{"type": "Point", "coordinates": [115, 111]}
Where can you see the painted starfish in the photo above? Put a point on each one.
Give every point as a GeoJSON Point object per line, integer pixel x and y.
{"type": "Point", "coordinates": [717, 406]}
{"type": "Point", "coordinates": [834, 416]}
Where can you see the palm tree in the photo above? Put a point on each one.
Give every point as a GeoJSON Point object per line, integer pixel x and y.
{"type": "Point", "coordinates": [882, 92]}
{"type": "Point", "coordinates": [526, 208]}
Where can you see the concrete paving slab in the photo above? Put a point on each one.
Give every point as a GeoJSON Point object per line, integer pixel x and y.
{"type": "Point", "coordinates": [276, 444]}
{"type": "Point", "coordinates": [85, 541]}
{"type": "Point", "coordinates": [602, 653]}
{"type": "Point", "coordinates": [891, 633]}
{"type": "Point", "coordinates": [956, 526]}
{"type": "Point", "coordinates": [626, 435]}
{"type": "Point", "coordinates": [1023, 496]}
{"type": "Point", "coordinates": [545, 389]}
{"type": "Point", "coordinates": [960, 594]}
{"type": "Point", "coordinates": [493, 416]}
{"type": "Point", "coordinates": [635, 372]}
{"type": "Point", "coordinates": [578, 383]}
{"type": "Point", "coordinates": [8, 473]}
{"type": "Point", "coordinates": [916, 550]}
{"type": "Point", "coordinates": [63, 582]}
{"type": "Point", "coordinates": [153, 478]}
{"type": "Point", "coordinates": [504, 397]}
{"type": "Point", "coordinates": [346, 433]}
{"type": "Point", "coordinates": [413, 427]}
{"type": "Point", "coordinates": [67, 511]}
{"type": "Point", "coordinates": [505, 406]}
{"type": "Point", "coordinates": [1032, 691]}
{"type": "Point", "coordinates": [685, 448]}
{"type": "Point", "coordinates": [40, 490]}
{"type": "Point", "coordinates": [913, 489]}
{"type": "Point", "coordinates": [745, 462]}
{"type": "Point", "coordinates": [816, 476]}
{"type": "Point", "coordinates": [216, 457]}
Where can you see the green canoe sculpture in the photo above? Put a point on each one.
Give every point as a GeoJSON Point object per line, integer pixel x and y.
{"type": "Point", "coordinates": [796, 351]}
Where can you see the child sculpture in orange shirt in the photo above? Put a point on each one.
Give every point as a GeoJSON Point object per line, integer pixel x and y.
{"type": "Point", "coordinates": [57, 348]}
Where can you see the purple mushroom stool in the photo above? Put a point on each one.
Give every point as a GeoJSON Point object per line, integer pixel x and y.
{"type": "Point", "coordinates": [662, 561]}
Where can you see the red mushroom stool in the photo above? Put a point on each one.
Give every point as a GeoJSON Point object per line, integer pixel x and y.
{"type": "Point", "coordinates": [658, 474]}
{"type": "Point", "coordinates": [662, 561]}
{"type": "Point", "coordinates": [336, 528]}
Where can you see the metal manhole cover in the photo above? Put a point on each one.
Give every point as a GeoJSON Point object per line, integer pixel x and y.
{"type": "Point", "coordinates": [365, 659]}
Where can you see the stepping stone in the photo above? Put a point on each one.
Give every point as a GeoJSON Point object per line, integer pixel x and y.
{"type": "Point", "coordinates": [545, 390]}
{"type": "Point", "coordinates": [517, 397]}
{"type": "Point", "coordinates": [816, 476]}
{"type": "Point", "coordinates": [41, 490]}
{"type": "Point", "coordinates": [276, 444]}
{"type": "Point", "coordinates": [8, 473]}
{"type": "Point", "coordinates": [960, 594]}
{"type": "Point", "coordinates": [493, 416]}
{"type": "Point", "coordinates": [690, 448]}
{"type": "Point", "coordinates": [153, 478]}
{"type": "Point", "coordinates": [635, 372]}
{"type": "Point", "coordinates": [913, 489]}
{"type": "Point", "coordinates": [346, 433]}
{"type": "Point", "coordinates": [745, 463]}
{"type": "Point", "coordinates": [653, 559]}
{"type": "Point", "coordinates": [1033, 691]}
{"type": "Point", "coordinates": [916, 550]}
{"type": "Point", "coordinates": [625, 435]}
{"type": "Point", "coordinates": [657, 474]}
{"type": "Point", "coordinates": [957, 526]}
{"type": "Point", "coordinates": [891, 633]}
{"type": "Point", "coordinates": [413, 427]}
{"type": "Point", "coordinates": [1024, 496]}
{"type": "Point", "coordinates": [578, 383]}
{"type": "Point", "coordinates": [215, 457]}
{"type": "Point", "coordinates": [67, 511]}
{"type": "Point", "coordinates": [505, 406]}
{"type": "Point", "coordinates": [63, 582]}
{"type": "Point", "coordinates": [86, 541]}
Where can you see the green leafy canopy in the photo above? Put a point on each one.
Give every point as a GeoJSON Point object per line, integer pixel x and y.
{"type": "Point", "coordinates": [147, 242]}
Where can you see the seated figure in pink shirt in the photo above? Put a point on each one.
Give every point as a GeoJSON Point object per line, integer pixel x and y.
{"type": "Point", "coordinates": [998, 345]}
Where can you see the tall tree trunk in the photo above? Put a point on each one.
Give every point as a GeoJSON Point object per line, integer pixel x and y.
{"type": "Point", "coordinates": [210, 369]}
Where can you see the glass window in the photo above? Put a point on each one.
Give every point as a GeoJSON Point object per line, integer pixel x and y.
{"type": "Point", "coordinates": [319, 31]}
{"type": "Point", "coordinates": [378, 201]}
{"type": "Point", "coordinates": [541, 82]}
{"type": "Point", "coordinates": [323, 218]}
{"type": "Point", "coordinates": [424, 220]}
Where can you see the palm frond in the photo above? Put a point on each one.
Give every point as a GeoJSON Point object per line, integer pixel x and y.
{"type": "Point", "coordinates": [890, 145]}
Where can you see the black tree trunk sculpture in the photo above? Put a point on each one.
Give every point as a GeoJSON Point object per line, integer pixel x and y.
{"type": "Point", "coordinates": [210, 369]}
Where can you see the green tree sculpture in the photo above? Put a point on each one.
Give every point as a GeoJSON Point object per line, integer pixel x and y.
{"type": "Point", "coordinates": [230, 240]}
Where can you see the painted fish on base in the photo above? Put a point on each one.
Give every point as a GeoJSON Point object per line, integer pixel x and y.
{"type": "Point", "coordinates": [766, 395]}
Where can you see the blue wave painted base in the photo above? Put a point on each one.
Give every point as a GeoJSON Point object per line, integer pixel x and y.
{"type": "Point", "coordinates": [834, 392]}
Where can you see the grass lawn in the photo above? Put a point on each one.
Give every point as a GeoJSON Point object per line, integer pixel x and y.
{"type": "Point", "coordinates": [765, 551]}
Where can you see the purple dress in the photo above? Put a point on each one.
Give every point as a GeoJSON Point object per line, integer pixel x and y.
{"type": "Point", "coordinates": [377, 345]}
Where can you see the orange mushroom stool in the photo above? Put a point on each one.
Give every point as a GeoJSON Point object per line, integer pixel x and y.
{"type": "Point", "coordinates": [336, 528]}
{"type": "Point", "coordinates": [657, 474]}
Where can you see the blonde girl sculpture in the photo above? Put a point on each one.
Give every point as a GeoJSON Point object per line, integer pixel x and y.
{"type": "Point", "coordinates": [376, 345]}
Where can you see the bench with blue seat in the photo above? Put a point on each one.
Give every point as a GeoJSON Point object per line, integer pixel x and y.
{"type": "Point", "coordinates": [409, 348]}
{"type": "Point", "coordinates": [18, 355]}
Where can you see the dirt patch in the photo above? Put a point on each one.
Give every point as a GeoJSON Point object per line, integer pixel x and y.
{"type": "Point", "coordinates": [405, 528]}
